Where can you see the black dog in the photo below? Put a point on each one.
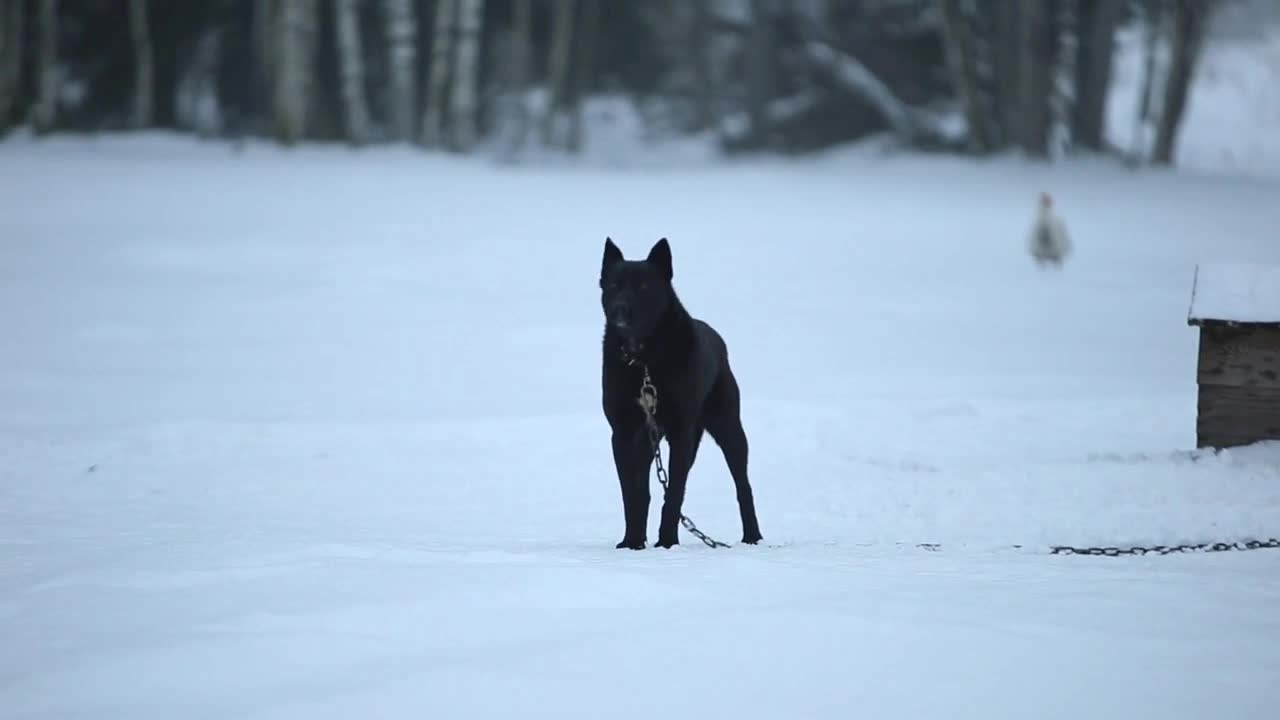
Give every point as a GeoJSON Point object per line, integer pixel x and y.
{"type": "Point", "coordinates": [647, 327]}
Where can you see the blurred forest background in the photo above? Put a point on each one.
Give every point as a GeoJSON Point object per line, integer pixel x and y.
{"type": "Point", "coordinates": [970, 76]}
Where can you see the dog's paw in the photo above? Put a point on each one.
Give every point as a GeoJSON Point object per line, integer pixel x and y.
{"type": "Point", "coordinates": [752, 538]}
{"type": "Point", "coordinates": [667, 543]}
{"type": "Point", "coordinates": [631, 544]}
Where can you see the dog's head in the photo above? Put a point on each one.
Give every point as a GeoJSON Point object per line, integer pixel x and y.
{"type": "Point", "coordinates": [635, 294]}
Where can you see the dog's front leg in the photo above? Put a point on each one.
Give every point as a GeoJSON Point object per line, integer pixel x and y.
{"type": "Point", "coordinates": [684, 448]}
{"type": "Point", "coordinates": [631, 458]}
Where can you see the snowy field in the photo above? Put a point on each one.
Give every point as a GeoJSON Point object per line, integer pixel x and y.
{"type": "Point", "coordinates": [316, 434]}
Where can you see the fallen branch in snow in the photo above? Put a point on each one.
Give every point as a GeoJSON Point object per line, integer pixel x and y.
{"type": "Point", "coordinates": [909, 125]}
{"type": "Point", "coordinates": [856, 78]}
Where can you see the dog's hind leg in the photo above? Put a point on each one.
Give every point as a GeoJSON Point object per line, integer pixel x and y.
{"type": "Point", "coordinates": [632, 458]}
{"type": "Point", "coordinates": [725, 427]}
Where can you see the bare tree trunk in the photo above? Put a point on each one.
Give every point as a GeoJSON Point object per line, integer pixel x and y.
{"type": "Point", "coordinates": [11, 50]}
{"type": "Point", "coordinates": [962, 64]}
{"type": "Point", "coordinates": [263, 40]}
{"type": "Point", "coordinates": [583, 66]}
{"type": "Point", "coordinates": [1037, 47]}
{"type": "Point", "coordinates": [1190, 20]}
{"type": "Point", "coordinates": [462, 108]}
{"type": "Point", "coordinates": [402, 46]}
{"type": "Point", "coordinates": [1007, 76]}
{"type": "Point", "coordinates": [441, 67]}
{"type": "Point", "coordinates": [558, 67]}
{"type": "Point", "coordinates": [760, 80]}
{"type": "Point", "coordinates": [703, 72]}
{"type": "Point", "coordinates": [351, 66]}
{"type": "Point", "coordinates": [143, 70]}
{"type": "Point", "coordinates": [1150, 40]}
{"type": "Point", "coordinates": [293, 60]}
{"type": "Point", "coordinates": [522, 42]}
{"type": "Point", "coordinates": [1096, 29]}
{"type": "Point", "coordinates": [46, 108]}
{"type": "Point", "coordinates": [1143, 119]}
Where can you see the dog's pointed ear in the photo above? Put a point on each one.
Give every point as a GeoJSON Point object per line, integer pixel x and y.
{"type": "Point", "coordinates": [612, 255]}
{"type": "Point", "coordinates": [660, 256]}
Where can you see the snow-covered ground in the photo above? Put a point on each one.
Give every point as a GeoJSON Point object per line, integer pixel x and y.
{"type": "Point", "coordinates": [315, 433]}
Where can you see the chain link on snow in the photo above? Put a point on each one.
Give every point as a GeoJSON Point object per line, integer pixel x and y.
{"type": "Point", "coordinates": [1167, 549]}
{"type": "Point", "coordinates": [1117, 551]}
{"type": "Point", "coordinates": [649, 403]}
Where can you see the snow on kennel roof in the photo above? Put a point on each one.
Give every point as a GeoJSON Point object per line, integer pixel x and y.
{"type": "Point", "coordinates": [1236, 293]}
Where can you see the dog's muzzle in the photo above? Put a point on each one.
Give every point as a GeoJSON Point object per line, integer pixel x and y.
{"type": "Point", "coordinates": [620, 316]}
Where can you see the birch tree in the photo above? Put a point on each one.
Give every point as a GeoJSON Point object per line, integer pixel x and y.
{"type": "Point", "coordinates": [466, 77]}
{"type": "Point", "coordinates": [293, 60]}
{"type": "Point", "coordinates": [46, 107]}
{"type": "Point", "coordinates": [355, 107]}
{"type": "Point", "coordinates": [143, 69]}
{"type": "Point", "coordinates": [402, 46]}
{"type": "Point", "coordinates": [11, 49]}
{"type": "Point", "coordinates": [1190, 20]}
{"type": "Point", "coordinates": [558, 68]}
{"type": "Point", "coordinates": [441, 57]}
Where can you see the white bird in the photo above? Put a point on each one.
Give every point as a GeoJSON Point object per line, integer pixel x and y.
{"type": "Point", "coordinates": [1049, 240]}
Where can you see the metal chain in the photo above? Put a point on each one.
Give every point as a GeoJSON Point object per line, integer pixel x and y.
{"type": "Point", "coordinates": [1167, 549]}
{"type": "Point", "coordinates": [649, 403]}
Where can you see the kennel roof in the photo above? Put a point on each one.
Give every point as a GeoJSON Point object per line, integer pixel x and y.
{"type": "Point", "coordinates": [1235, 294]}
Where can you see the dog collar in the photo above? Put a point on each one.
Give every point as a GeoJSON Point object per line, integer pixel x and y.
{"type": "Point", "coordinates": [631, 352]}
